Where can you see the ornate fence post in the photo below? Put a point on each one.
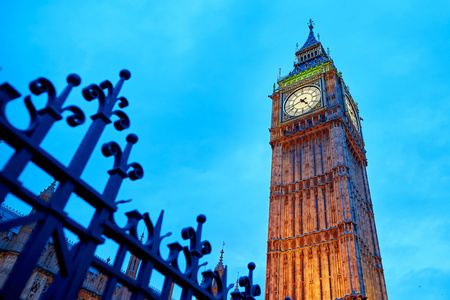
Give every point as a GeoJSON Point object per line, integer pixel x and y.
{"type": "Point", "coordinates": [50, 218]}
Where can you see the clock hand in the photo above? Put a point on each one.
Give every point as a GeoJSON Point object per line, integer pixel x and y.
{"type": "Point", "coordinates": [295, 102]}
{"type": "Point", "coordinates": [289, 107]}
{"type": "Point", "coordinates": [298, 101]}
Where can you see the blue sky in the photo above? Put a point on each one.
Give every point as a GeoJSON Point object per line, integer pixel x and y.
{"type": "Point", "coordinates": [201, 73]}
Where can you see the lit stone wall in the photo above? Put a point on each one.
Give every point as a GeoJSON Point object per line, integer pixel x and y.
{"type": "Point", "coordinates": [322, 241]}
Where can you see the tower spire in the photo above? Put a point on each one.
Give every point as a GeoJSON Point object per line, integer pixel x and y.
{"type": "Point", "coordinates": [311, 40]}
{"type": "Point", "coordinates": [309, 56]}
{"type": "Point", "coordinates": [220, 266]}
{"type": "Point", "coordinates": [221, 253]}
{"type": "Point", "coordinates": [48, 192]}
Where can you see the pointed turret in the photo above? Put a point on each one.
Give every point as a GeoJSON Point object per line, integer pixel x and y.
{"type": "Point", "coordinates": [309, 56]}
{"type": "Point", "coordinates": [48, 192]}
{"type": "Point", "coordinates": [220, 267]}
{"type": "Point", "coordinates": [311, 40]}
{"type": "Point", "coordinates": [236, 287]}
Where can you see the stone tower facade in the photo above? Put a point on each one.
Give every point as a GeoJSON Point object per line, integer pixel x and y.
{"type": "Point", "coordinates": [322, 241]}
{"type": "Point", "coordinates": [11, 246]}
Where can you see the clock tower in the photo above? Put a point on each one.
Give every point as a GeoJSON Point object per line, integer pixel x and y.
{"type": "Point", "coordinates": [322, 241]}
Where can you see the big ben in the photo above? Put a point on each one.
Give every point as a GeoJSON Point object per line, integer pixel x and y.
{"type": "Point", "coordinates": [322, 241]}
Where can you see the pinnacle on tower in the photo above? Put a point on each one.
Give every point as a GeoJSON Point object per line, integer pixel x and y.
{"type": "Point", "coordinates": [236, 287]}
{"type": "Point", "coordinates": [309, 56]}
{"type": "Point", "coordinates": [48, 192]}
{"type": "Point", "coordinates": [220, 266]}
{"type": "Point", "coordinates": [311, 40]}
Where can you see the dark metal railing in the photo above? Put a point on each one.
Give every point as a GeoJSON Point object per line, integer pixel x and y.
{"type": "Point", "coordinates": [50, 219]}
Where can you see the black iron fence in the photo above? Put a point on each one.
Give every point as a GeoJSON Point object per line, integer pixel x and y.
{"type": "Point", "coordinates": [49, 218]}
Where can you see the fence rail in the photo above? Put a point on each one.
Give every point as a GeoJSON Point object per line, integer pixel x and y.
{"type": "Point", "coordinates": [49, 217]}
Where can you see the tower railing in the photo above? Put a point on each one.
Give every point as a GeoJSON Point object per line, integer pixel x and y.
{"type": "Point", "coordinates": [50, 220]}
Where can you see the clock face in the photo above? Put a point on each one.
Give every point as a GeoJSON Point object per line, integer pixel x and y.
{"type": "Point", "coordinates": [352, 113]}
{"type": "Point", "coordinates": [302, 101]}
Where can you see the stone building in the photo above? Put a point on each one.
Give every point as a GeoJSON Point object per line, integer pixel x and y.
{"type": "Point", "coordinates": [12, 243]}
{"type": "Point", "coordinates": [322, 241]}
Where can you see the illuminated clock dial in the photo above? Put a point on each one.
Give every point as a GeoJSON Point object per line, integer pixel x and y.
{"type": "Point", "coordinates": [302, 101]}
{"type": "Point", "coordinates": [351, 113]}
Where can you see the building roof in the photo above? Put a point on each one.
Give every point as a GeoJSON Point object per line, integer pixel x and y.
{"type": "Point", "coordinates": [310, 55]}
{"type": "Point", "coordinates": [311, 40]}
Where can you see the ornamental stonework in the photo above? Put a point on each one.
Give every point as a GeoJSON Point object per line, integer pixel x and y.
{"type": "Point", "coordinates": [322, 241]}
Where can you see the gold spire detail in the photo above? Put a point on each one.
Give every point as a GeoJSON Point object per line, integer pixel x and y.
{"type": "Point", "coordinates": [220, 266]}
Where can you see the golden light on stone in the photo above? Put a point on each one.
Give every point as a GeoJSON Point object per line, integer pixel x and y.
{"type": "Point", "coordinates": [322, 241]}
